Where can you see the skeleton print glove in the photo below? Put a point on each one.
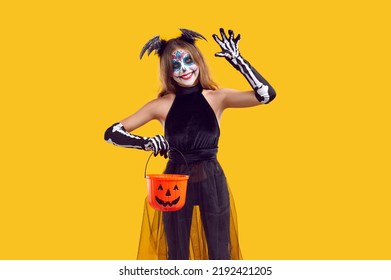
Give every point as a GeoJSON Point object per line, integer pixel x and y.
{"type": "Point", "coordinates": [229, 46]}
{"type": "Point", "coordinates": [117, 135]}
{"type": "Point", "coordinates": [159, 145]}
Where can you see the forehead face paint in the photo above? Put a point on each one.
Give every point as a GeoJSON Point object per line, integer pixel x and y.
{"type": "Point", "coordinates": [184, 71]}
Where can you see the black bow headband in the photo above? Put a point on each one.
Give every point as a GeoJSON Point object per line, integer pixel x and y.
{"type": "Point", "coordinates": [157, 45]}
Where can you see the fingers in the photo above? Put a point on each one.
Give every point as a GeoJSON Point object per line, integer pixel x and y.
{"type": "Point", "coordinates": [159, 145]}
{"type": "Point", "coordinates": [218, 41]}
{"type": "Point", "coordinates": [227, 43]}
{"type": "Point", "coordinates": [164, 147]}
{"type": "Point", "coordinates": [231, 35]}
{"type": "Point", "coordinates": [233, 41]}
{"type": "Point", "coordinates": [155, 146]}
{"type": "Point", "coordinates": [223, 54]}
{"type": "Point", "coordinates": [236, 40]}
{"type": "Point", "coordinates": [222, 32]}
{"type": "Point", "coordinates": [222, 42]}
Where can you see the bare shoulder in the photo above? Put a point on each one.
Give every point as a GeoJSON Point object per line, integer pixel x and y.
{"type": "Point", "coordinates": [156, 109]}
{"type": "Point", "coordinates": [162, 101]}
{"type": "Point", "coordinates": [162, 105]}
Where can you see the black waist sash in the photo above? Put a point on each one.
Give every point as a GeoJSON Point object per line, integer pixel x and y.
{"type": "Point", "coordinates": [192, 156]}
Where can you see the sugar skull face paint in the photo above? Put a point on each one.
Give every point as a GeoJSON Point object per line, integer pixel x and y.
{"type": "Point", "coordinates": [184, 70]}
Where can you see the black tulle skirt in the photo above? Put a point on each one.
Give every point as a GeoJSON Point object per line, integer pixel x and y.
{"type": "Point", "coordinates": [205, 228]}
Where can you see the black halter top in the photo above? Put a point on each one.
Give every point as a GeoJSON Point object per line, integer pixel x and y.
{"type": "Point", "coordinates": [191, 126]}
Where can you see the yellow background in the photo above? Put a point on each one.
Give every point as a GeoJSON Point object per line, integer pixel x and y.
{"type": "Point", "coordinates": [309, 172]}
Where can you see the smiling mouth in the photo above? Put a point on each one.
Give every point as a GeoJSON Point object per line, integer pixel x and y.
{"type": "Point", "coordinates": [186, 76]}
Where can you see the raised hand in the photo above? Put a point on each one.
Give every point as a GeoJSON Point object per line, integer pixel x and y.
{"type": "Point", "coordinates": [229, 47]}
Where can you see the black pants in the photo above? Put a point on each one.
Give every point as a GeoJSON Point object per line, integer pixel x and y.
{"type": "Point", "coordinates": [213, 200]}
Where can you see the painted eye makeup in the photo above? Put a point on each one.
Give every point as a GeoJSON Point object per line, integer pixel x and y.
{"type": "Point", "coordinates": [188, 60]}
{"type": "Point", "coordinates": [176, 66]}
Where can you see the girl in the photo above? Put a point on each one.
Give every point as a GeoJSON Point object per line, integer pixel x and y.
{"type": "Point", "coordinates": [189, 107]}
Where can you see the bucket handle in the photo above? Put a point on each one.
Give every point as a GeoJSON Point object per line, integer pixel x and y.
{"type": "Point", "coordinates": [146, 164]}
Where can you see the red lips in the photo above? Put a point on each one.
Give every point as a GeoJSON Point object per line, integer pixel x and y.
{"type": "Point", "coordinates": [186, 76]}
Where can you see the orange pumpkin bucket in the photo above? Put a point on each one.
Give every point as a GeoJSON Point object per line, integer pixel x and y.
{"type": "Point", "coordinates": [166, 192]}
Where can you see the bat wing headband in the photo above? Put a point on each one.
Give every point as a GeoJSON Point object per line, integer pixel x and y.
{"type": "Point", "coordinates": [157, 45]}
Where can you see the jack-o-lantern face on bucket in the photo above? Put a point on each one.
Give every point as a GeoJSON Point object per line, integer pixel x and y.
{"type": "Point", "coordinates": [167, 197]}
{"type": "Point", "coordinates": [167, 192]}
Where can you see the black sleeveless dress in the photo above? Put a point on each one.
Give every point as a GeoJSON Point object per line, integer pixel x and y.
{"type": "Point", "coordinates": [206, 227]}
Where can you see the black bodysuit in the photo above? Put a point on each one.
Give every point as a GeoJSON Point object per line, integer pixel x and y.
{"type": "Point", "coordinates": [192, 128]}
{"type": "Point", "coordinates": [191, 125]}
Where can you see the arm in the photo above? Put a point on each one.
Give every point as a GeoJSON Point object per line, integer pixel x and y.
{"type": "Point", "coordinates": [264, 92]}
{"type": "Point", "coordinates": [118, 134]}
{"type": "Point", "coordinates": [232, 98]}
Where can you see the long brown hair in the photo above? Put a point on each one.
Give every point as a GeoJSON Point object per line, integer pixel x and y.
{"type": "Point", "coordinates": [168, 84]}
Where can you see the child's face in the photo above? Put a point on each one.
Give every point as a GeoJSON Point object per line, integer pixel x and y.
{"type": "Point", "coordinates": [184, 70]}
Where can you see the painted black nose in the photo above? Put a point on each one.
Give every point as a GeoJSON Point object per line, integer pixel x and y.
{"type": "Point", "coordinates": [168, 193]}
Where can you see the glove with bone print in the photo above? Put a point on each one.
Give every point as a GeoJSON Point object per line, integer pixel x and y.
{"type": "Point", "coordinates": [264, 92]}
{"type": "Point", "coordinates": [117, 135]}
